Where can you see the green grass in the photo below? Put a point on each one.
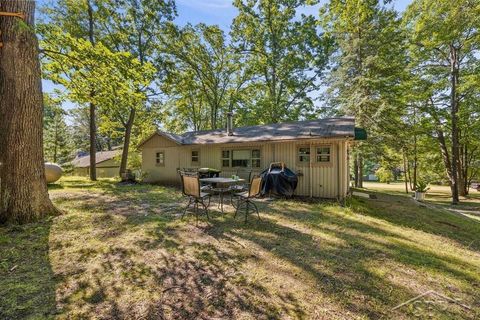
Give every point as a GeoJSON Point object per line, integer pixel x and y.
{"type": "Point", "coordinates": [123, 252]}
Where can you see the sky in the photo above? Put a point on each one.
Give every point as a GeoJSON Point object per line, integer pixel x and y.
{"type": "Point", "coordinates": [219, 12]}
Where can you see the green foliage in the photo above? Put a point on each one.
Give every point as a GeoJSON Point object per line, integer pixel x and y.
{"type": "Point", "coordinates": [385, 175]}
{"type": "Point", "coordinates": [57, 142]}
{"type": "Point", "coordinates": [205, 78]}
{"type": "Point", "coordinates": [286, 55]}
{"type": "Point", "coordinates": [421, 186]}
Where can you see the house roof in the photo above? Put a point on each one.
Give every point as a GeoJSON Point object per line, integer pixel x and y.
{"type": "Point", "coordinates": [101, 156]}
{"type": "Point", "coordinates": [320, 128]}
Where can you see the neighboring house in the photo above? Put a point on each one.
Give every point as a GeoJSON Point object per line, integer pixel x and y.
{"type": "Point", "coordinates": [316, 150]}
{"type": "Point", "coordinates": [107, 165]}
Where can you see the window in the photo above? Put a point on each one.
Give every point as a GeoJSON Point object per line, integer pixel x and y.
{"type": "Point", "coordinates": [225, 158]}
{"type": "Point", "coordinates": [304, 154]}
{"type": "Point", "coordinates": [195, 156]}
{"type": "Point", "coordinates": [323, 154]}
{"type": "Point", "coordinates": [247, 158]}
{"type": "Point", "coordinates": [160, 158]}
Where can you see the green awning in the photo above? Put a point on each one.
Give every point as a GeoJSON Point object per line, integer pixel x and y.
{"type": "Point", "coordinates": [360, 134]}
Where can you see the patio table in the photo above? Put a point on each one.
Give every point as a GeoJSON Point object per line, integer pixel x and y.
{"type": "Point", "coordinates": [221, 191]}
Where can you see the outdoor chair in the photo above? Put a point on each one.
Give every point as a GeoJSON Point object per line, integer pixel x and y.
{"type": "Point", "coordinates": [193, 173]}
{"type": "Point", "coordinates": [191, 189]}
{"type": "Point", "coordinates": [246, 198]}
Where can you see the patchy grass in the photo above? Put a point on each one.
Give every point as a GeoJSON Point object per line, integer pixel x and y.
{"type": "Point", "coordinates": [122, 252]}
{"type": "Point", "coordinates": [436, 194]}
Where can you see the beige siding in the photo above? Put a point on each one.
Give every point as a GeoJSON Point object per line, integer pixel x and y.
{"type": "Point", "coordinates": [325, 180]}
{"type": "Point", "coordinates": [105, 169]}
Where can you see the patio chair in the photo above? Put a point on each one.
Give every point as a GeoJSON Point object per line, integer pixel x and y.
{"type": "Point", "coordinates": [245, 198]}
{"type": "Point", "coordinates": [191, 189]}
{"type": "Point", "coordinates": [192, 173]}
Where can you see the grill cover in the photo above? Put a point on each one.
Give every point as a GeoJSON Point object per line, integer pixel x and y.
{"type": "Point", "coordinates": [279, 181]}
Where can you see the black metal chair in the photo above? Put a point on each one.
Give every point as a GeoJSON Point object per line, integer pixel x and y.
{"type": "Point", "coordinates": [191, 189]}
{"type": "Point", "coordinates": [245, 198]}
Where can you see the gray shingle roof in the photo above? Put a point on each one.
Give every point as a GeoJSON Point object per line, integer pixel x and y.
{"type": "Point", "coordinates": [84, 162]}
{"type": "Point", "coordinates": [320, 128]}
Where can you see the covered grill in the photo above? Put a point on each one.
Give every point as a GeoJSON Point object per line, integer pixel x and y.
{"type": "Point", "coordinates": [279, 180]}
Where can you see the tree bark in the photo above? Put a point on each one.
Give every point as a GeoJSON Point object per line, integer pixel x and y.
{"type": "Point", "coordinates": [360, 171]}
{"type": "Point", "coordinates": [126, 144]}
{"type": "Point", "coordinates": [93, 127]}
{"type": "Point", "coordinates": [93, 145]}
{"type": "Point", "coordinates": [454, 118]}
{"type": "Point", "coordinates": [405, 171]}
{"type": "Point", "coordinates": [355, 170]}
{"type": "Point", "coordinates": [23, 189]}
{"type": "Point", "coordinates": [415, 153]}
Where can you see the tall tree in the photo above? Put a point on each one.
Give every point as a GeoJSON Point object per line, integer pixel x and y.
{"type": "Point", "coordinates": [286, 53]}
{"type": "Point", "coordinates": [135, 26]}
{"type": "Point", "coordinates": [367, 67]}
{"type": "Point", "coordinates": [79, 19]}
{"type": "Point", "coordinates": [445, 40]}
{"type": "Point", "coordinates": [121, 26]}
{"type": "Point", "coordinates": [23, 189]}
{"type": "Point", "coordinates": [205, 78]}
{"type": "Point", "coordinates": [56, 135]}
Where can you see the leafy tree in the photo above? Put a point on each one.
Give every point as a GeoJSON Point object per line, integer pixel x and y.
{"type": "Point", "coordinates": [385, 174]}
{"type": "Point", "coordinates": [444, 50]}
{"type": "Point", "coordinates": [79, 20]}
{"type": "Point", "coordinates": [57, 142]}
{"type": "Point", "coordinates": [135, 26]}
{"type": "Point", "coordinates": [367, 69]}
{"type": "Point", "coordinates": [205, 78]}
{"type": "Point", "coordinates": [126, 30]}
{"type": "Point", "coordinates": [286, 55]}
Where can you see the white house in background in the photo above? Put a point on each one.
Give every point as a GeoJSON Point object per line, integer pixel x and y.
{"type": "Point", "coordinates": [107, 164]}
{"type": "Point", "coordinates": [317, 150]}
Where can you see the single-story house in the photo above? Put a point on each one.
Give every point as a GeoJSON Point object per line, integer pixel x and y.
{"type": "Point", "coordinates": [107, 164]}
{"type": "Point", "coordinates": [317, 150]}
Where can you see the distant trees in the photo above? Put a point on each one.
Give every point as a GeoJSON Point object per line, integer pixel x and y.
{"type": "Point", "coordinates": [205, 77]}
{"type": "Point", "coordinates": [56, 134]}
{"type": "Point", "coordinates": [444, 53]}
{"type": "Point", "coordinates": [286, 55]}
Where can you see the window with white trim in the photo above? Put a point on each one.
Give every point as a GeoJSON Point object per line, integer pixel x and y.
{"type": "Point", "coordinates": [195, 156]}
{"type": "Point", "coordinates": [241, 158]}
{"type": "Point", "coordinates": [323, 154]}
{"type": "Point", "coordinates": [225, 158]}
{"type": "Point", "coordinates": [303, 154]}
{"type": "Point", "coordinates": [160, 158]}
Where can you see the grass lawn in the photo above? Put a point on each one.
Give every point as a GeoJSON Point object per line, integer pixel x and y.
{"type": "Point", "coordinates": [122, 252]}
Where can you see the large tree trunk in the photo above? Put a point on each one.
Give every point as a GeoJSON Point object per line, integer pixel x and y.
{"type": "Point", "coordinates": [93, 146]}
{"type": "Point", "coordinates": [126, 144]}
{"type": "Point", "coordinates": [355, 170]}
{"type": "Point", "coordinates": [405, 173]}
{"type": "Point", "coordinates": [93, 127]}
{"type": "Point", "coordinates": [360, 171]}
{"type": "Point", "coordinates": [462, 171]}
{"type": "Point", "coordinates": [454, 115]}
{"type": "Point", "coordinates": [23, 189]}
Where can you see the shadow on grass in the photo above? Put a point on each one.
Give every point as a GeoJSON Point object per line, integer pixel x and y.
{"type": "Point", "coordinates": [405, 212]}
{"type": "Point", "coordinates": [343, 273]}
{"type": "Point", "coordinates": [27, 283]}
{"type": "Point", "coordinates": [143, 262]}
